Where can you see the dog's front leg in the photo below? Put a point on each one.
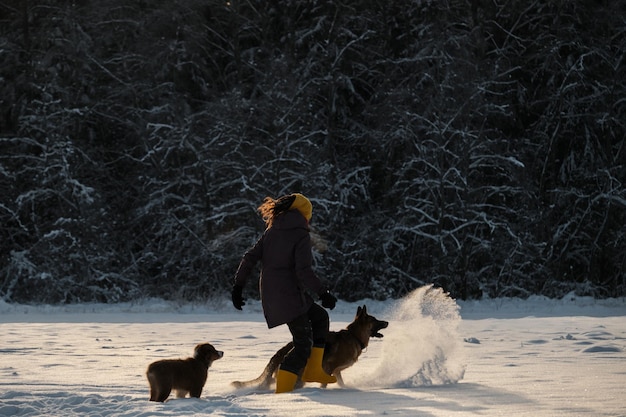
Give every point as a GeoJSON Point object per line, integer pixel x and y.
{"type": "Point", "coordinates": [340, 382]}
{"type": "Point", "coordinates": [336, 374]}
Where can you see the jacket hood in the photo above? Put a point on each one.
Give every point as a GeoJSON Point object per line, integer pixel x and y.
{"type": "Point", "coordinates": [291, 219]}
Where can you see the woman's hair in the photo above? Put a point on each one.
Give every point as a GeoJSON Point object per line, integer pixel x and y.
{"type": "Point", "coordinates": [272, 208]}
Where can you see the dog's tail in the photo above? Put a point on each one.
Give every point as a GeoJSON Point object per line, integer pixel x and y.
{"type": "Point", "coordinates": [264, 381]}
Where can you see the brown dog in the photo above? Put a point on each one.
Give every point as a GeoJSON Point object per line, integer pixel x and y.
{"type": "Point", "coordinates": [343, 348]}
{"type": "Point", "coordinates": [182, 375]}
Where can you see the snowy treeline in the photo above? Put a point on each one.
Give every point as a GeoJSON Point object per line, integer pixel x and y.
{"type": "Point", "coordinates": [479, 145]}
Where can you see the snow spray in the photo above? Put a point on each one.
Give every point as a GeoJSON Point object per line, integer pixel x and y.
{"type": "Point", "coordinates": [421, 345]}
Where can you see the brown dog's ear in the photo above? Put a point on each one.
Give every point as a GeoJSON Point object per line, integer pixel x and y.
{"type": "Point", "coordinates": [358, 311]}
{"type": "Point", "coordinates": [203, 350]}
{"type": "Point", "coordinates": [364, 309]}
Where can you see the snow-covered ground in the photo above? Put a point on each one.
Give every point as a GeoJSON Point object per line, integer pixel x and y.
{"type": "Point", "coordinates": [503, 357]}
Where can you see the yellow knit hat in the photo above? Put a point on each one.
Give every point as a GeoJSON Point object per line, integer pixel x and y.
{"type": "Point", "coordinates": [303, 205]}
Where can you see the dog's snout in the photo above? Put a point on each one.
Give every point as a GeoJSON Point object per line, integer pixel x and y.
{"type": "Point", "coordinates": [220, 353]}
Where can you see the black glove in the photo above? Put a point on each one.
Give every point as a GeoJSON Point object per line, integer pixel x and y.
{"type": "Point", "coordinates": [238, 300]}
{"type": "Point", "coordinates": [328, 300]}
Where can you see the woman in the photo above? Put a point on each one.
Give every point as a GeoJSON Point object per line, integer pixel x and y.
{"type": "Point", "coordinates": [287, 283]}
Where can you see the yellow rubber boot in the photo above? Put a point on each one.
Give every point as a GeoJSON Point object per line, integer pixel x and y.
{"type": "Point", "coordinates": [313, 371]}
{"type": "Point", "coordinates": [285, 381]}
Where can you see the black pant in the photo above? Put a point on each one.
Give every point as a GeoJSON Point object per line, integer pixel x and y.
{"type": "Point", "coordinates": [309, 329]}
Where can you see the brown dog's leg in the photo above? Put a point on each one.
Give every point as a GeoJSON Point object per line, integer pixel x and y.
{"type": "Point", "coordinates": [154, 392]}
{"type": "Point", "coordinates": [159, 391]}
{"type": "Point", "coordinates": [195, 393]}
{"type": "Point", "coordinates": [163, 394]}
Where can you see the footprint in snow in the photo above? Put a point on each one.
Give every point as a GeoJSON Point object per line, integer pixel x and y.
{"type": "Point", "coordinates": [602, 349]}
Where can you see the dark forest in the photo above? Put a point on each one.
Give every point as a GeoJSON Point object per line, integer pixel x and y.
{"type": "Point", "coordinates": [475, 144]}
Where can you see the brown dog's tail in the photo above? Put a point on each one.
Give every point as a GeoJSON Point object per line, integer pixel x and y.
{"type": "Point", "coordinates": [266, 378]}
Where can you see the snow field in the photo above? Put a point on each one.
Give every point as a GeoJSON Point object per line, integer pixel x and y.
{"type": "Point", "coordinates": [496, 357]}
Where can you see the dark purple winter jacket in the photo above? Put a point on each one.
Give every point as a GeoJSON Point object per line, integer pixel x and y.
{"type": "Point", "coordinates": [287, 279]}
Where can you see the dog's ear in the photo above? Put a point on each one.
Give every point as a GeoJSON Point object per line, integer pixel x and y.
{"type": "Point", "coordinates": [364, 311]}
{"type": "Point", "coordinates": [358, 311]}
{"type": "Point", "coordinates": [203, 350]}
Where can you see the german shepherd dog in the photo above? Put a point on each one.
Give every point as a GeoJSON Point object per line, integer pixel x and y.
{"type": "Point", "coordinates": [182, 375]}
{"type": "Point", "coordinates": [342, 350]}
